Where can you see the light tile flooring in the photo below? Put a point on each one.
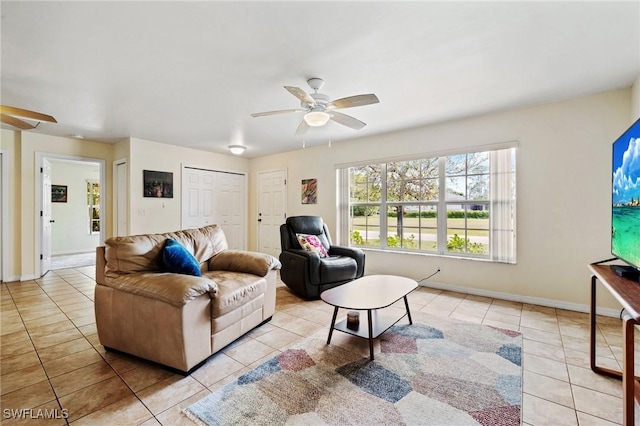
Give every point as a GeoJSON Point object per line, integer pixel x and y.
{"type": "Point", "coordinates": [51, 357]}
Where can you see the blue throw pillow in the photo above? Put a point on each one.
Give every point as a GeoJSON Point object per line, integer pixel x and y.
{"type": "Point", "coordinates": [177, 259]}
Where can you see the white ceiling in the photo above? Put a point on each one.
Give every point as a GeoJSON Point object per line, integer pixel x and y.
{"type": "Point", "coordinates": [192, 73]}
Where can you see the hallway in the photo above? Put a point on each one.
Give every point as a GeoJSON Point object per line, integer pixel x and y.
{"type": "Point", "coordinates": [76, 260]}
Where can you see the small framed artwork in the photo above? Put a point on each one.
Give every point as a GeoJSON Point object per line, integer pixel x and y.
{"type": "Point", "coordinates": [157, 184]}
{"type": "Point", "coordinates": [58, 193]}
{"type": "Point", "coordinates": [309, 191]}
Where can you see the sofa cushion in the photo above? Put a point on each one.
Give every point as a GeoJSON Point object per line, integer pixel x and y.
{"type": "Point", "coordinates": [176, 259]}
{"type": "Point", "coordinates": [234, 290]}
{"type": "Point", "coordinates": [337, 268]}
{"type": "Point", "coordinates": [143, 253]}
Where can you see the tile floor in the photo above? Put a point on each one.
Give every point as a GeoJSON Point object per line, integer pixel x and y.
{"type": "Point", "coordinates": [51, 358]}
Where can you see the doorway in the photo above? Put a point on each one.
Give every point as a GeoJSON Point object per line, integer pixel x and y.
{"type": "Point", "coordinates": [69, 211]}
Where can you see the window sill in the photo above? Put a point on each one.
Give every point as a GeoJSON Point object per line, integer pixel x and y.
{"type": "Point", "coordinates": [424, 254]}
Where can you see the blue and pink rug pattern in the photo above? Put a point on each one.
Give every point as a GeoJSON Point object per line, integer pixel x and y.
{"type": "Point", "coordinates": [444, 373]}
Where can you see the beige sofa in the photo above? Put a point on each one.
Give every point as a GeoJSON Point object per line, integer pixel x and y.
{"type": "Point", "coordinates": [174, 319]}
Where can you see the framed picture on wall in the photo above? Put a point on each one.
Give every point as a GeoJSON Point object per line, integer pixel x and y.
{"type": "Point", "coordinates": [157, 184]}
{"type": "Point", "coordinates": [309, 191]}
{"type": "Point", "coordinates": [58, 193]}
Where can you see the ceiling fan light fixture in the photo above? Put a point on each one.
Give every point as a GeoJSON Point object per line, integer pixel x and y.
{"type": "Point", "coordinates": [237, 149]}
{"type": "Point", "coordinates": [316, 118]}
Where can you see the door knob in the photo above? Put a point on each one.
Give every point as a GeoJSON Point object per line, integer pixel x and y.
{"type": "Point", "coordinates": [51, 221]}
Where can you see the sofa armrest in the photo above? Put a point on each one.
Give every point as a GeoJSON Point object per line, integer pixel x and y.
{"type": "Point", "coordinates": [249, 262]}
{"type": "Point", "coordinates": [355, 253]}
{"type": "Point", "coordinates": [302, 263]}
{"type": "Point", "coordinates": [174, 289]}
{"type": "Point", "coordinates": [101, 263]}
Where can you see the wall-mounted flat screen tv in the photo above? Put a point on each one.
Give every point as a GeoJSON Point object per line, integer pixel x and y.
{"type": "Point", "coordinates": [625, 211]}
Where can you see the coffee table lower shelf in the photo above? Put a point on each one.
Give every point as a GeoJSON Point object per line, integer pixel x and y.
{"type": "Point", "coordinates": [381, 322]}
{"type": "Point", "coordinates": [377, 322]}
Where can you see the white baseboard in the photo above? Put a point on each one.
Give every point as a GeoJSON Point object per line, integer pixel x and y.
{"type": "Point", "coordinates": [73, 252]}
{"type": "Point", "coordinates": [11, 279]}
{"type": "Point", "coordinates": [29, 277]}
{"type": "Point", "coordinates": [522, 299]}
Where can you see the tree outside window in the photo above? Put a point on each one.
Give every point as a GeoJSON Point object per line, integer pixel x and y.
{"type": "Point", "coordinates": [467, 201]}
{"type": "Point", "coordinates": [440, 205]}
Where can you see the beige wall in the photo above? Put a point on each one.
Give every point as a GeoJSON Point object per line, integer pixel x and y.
{"type": "Point", "coordinates": [25, 145]}
{"type": "Point", "coordinates": [635, 100]}
{"type": "Point", "coordinates": [164, 214]}
{"type": "Point", "coordinates": [563, 191]}
{"type": "Point", "coordinates": [10, 143]}
{"type": "Point", "coordinates": [563, 183]}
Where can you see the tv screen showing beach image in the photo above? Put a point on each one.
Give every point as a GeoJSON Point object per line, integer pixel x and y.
{"type": "Point", "coordinates": [625, 217]}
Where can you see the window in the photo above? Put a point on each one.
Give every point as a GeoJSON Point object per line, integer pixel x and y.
{"type": "Point", "coordinates": [459, 205]}
{"type": "Point", "coordinates": [93, 205]}
{"type": "Point", "coordinates": [467, 203]}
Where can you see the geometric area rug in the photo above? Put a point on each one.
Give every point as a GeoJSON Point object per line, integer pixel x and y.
{"type": "Point", "coordinates": [442, 373]}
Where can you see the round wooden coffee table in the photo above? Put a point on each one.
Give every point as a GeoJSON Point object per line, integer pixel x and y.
{"type": "Point", "coordinates": [371, 293]}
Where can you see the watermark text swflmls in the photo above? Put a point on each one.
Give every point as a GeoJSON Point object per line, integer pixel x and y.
{"type": "Point", "coordinates": [35, 413]}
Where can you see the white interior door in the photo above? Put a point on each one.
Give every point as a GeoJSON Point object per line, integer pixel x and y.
{"type": "Point", "coordinates": [45, 255]}
{"type": "Point", "coordinates": [231, 197]}
{"type": "Point", "coordinates": [198, 198]}
{"type": "Point", "coordinates": [211, 197]}
{"type": "Point", "coordinates": [121, 199]}
{"type": "Point", "coordinates": [272, 210]}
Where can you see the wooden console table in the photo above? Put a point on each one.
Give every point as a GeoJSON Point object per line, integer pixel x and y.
{"type": "Point", "coordinates": [627, 293]}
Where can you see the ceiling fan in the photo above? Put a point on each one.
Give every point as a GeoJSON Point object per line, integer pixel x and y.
{"type": "Point", "coordinates": [13, 117]}
{"type": "Point", "coordinates": [319, 108]}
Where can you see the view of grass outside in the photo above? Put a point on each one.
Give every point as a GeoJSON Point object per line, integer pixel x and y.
{"type": "Point", "coordinates": [409, 193]}
{"type": "Point", "coordinates": [420, 233]}
{"type": "Point", "coordinates": [440, 205]}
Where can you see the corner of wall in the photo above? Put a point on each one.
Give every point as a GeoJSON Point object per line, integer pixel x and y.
{"type": "Point", "coordinates": [635, 100]}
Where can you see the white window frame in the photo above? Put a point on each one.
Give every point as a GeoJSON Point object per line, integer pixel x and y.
{"type": "Point", "coordinates": [90, 207]}
{"type": "Point", "coordinates": [501, 203]}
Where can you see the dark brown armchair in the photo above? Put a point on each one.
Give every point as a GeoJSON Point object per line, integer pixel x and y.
{"type": "Point", "coordinates": [308, 273]}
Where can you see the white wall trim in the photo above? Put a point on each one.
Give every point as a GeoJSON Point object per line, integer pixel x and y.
{"type": "Point", "coordinates": [439, 153]}
{"type": "Point", "coordinates": [30, 277]}
{"type": "Point", "coordinates": [40, 156]}
{"type": "Point", "coordinates": [522, 299]}
{"type": "Point", "coordinates": [4, 224]}
{"type": "Point", "coordinates": [114, 195]}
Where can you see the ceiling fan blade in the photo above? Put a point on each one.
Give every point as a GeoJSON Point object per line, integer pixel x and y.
{"type": "Point", "coordinates": [347, 120]}
{"type": "Point", "coordinates": [354, 101]}
{"type": "Point", "coordinates": [15, 122]}
{"type": "Point", "coordinates": [25, 113]}
{"type": "Point", "coordinates": [282, 111]}
{"type": "Point", "coordinates": [302, 128]}
{"type": "Point", "coordinates": [301, 94]}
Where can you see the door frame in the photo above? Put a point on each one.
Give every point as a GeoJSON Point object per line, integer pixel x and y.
{"type": "Point", "coordinates": [40, 156]}
{"type": "Point", "coordinates": [116, 195]}
{"type": "Point", "coordinates": [4, 210]}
